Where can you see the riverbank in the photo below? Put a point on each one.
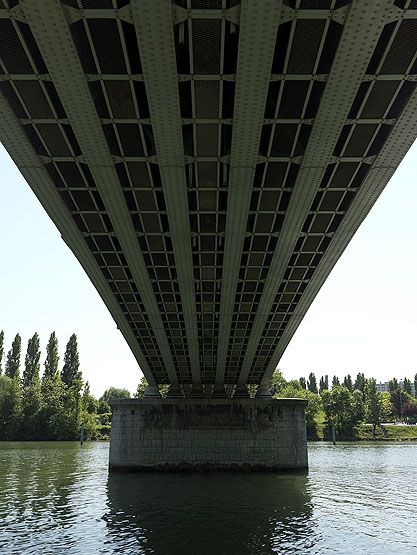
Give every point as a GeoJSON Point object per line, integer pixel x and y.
{"type": "Point", "coordinates": [364, 433]}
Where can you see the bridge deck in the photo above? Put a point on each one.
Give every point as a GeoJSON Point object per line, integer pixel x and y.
{"type": "Point", "coordinates": [208, 161]}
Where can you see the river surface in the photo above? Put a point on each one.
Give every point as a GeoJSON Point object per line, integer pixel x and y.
{"type": "Point", "coordinates": [356, 498]}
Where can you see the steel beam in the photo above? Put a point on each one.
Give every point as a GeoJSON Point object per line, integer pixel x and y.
{"type": "Point", "coordinates": [362, 29]}
{"type": "Point", "coordinates": [50, 29]}
{"type": "Point", "coordinates": [155, 33]}
{"type": "Point", "coordinates": [386, 163]}
{"type": "Point", "coordinates": [258, 30]}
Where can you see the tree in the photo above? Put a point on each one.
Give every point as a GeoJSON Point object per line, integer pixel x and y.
{"type": "Point", "coordinates": [70, 371]}
{"type": "Point", "coordinates": [393, 385]}
{"type": "Point", "coordinates": [1, 351]}
{"type": "Point", "coordinates": [142, 385]}
{"type": "Point", "coordinates": [13, 358]}
{"type": "Point", "coordinates": [88, 402]}
{"type": "Point", "coordinates": [52, 419]}
{"type": "Point", "coordinates": [278, 381]}
{"type": "Point", "coordinates": [373, 405]}
{"type": "Point", "coordinates": [404, 405]}
{"type": "Point", "coordinates": [312, 383]}
{"type": "Point", "coordinates": [360, 382]}
{"type": "Point", "coordinates": [31, 394]}
{"type": "Point", "coordinates": [115, 393]}
{"type": "Point", "coordinates": [10, 408]}
{"type": "Point", "coordinates": [52, 358]}
{"type": "Point", "coordinates": [407, 386]}
{"type": "Point", "coordinates": [347, 382]}
{"type": "Point", "coordinates": [32, 366]}
{"type": "Point", "coordinates": [415, 385]}
{"type": "Point", "coordinates": [112, 393]}
{"type": "Point", "coordinates": [386, 403]}
{"type": "Point", "coordinates": [303, 383]}
{"type": "Point", "coordinates": [73, 383]}
{"type": "Point", "coordinates": [341, 409]}
{"type": "Point", "coordinates": [324, 383]}
{"type": "Point", "coordinates": [335, 382]}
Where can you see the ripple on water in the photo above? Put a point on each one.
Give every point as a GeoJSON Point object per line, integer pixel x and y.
{"type": "Point", "coordinates": [58, 498]}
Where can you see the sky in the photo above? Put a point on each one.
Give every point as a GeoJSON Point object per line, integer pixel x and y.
{"type": "Point", "coordinates": [364, 319]}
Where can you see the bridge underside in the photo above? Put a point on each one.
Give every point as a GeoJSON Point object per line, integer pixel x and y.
{"type": "Point", "coordinates": [207, 161]}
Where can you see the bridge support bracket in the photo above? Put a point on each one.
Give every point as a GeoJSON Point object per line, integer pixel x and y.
{"type": "Point", "coordinates": [208, 435]}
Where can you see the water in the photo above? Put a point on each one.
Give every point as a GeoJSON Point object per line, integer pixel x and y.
{"type": "Point", "coordinates": [356, 499]}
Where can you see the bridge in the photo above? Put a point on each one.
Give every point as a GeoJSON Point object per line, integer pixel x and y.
{"type": "Point", "coordinates": [208, 161]}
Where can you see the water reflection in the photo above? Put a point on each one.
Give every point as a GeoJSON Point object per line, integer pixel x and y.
{"type": "Point", "coordinates": [209, 513]}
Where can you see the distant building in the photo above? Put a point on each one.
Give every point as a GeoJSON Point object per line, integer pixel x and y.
{"type": "Point", "coordinates": [384, 386]}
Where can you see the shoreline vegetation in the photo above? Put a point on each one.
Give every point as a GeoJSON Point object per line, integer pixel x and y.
{"type": "Point", "coordinates": [58, 404]}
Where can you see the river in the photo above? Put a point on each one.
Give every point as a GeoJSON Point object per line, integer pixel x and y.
{"type": "Point", "coordinates": [356, 499]}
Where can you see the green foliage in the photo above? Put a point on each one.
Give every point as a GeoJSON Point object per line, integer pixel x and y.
{"type": "Point", "coordinates": [343, 409]}
{"type": "Point", "coordinates": [115, 393]}
{"type": "Point", "coordinates": [10, 407]}
{"type": "Point", "coordinates": [360, 382]}
{"type": "Point", "coordinates": [324, 383]}
{"type": "Point", "coordinates": [312, 383]}
{"type": "Point", "coordinates": [70, 372]}
{"type": "Point", "coordinates": [1, 350]}
{"type": "Point", "coordinates": [335, 381]}
{"type": "Point", "coordinates": [32, 366]}
{"type": "Point", "coordinates": [52, 358]}
{"type": "Point", "coordinates": [52, 410]}
{"type": "Point", "coordinates": [393, 385]}
{"type": "Point", "coordinates": [142, 385]}
{"type": "Point", "coordinates": [31, 390]}
{"type": "Point", "coordinates": [111, 393]}
{"type": "Point", "coordinates": [13, 358]}
{"type": "Point", "coordinates": [89, 404]}
{"type": "Point", "coordinates": [277, 382]}
{"type": "Point", "coordinates": [303, 383]}
{"type": "Point", "coordinates": [407, 386]}
{"type": "Point", "coordinates": [347, 382]}
{"type": "Point", "coordinates": [374, 409]}
{"type": "Point", "coordinates": [387, 414]}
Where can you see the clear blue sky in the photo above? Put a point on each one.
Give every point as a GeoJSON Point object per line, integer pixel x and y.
{"type": "Point", "coordinates": [364, 318]}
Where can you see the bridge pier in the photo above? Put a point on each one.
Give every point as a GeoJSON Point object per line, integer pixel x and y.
{"type": "Point", "coordinates": [198, 434]}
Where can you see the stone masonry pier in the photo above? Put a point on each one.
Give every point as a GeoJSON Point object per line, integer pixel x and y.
{"type": "Point", "coordinates": [208, 434]}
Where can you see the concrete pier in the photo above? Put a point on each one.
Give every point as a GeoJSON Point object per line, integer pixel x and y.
{"type": "Point", "coordinates": [208, 434]}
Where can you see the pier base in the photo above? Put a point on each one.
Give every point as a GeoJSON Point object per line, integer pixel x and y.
{"type": "Point", "coordinates": [208, 434]}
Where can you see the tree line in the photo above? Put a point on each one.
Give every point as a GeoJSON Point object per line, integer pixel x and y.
{"type": "Point", "coordinates": [54, 405]}
{"type": "Point", "coordinates": [349, 403]}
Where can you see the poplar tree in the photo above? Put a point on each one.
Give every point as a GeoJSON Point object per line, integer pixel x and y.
{"type": "Point", "coordinates": [31, 394]}
{"type": "Point", "coordinates": [312, 383]}
{"type": "Point", "coordinates": [407, 386]}
{"type": "Point", "coordinates": [360, 382]}
{"type": "Point", "coordinates": [303, 383]}
{"type": "Point", "coordinates": [347, 382]}
{"type": "Point", "coordinates": [335, 381]}
{"type": "Point", "coordinates": [70, 371]}
{"type": "Point", "coordinates": [13, 358]}
{"type": "Point", "coordinates": [324, 383]}
{"type": "Point", "coordinates": [52, 358]}
{"type": "Point", "coordinates": [32, 366]}
{"type": "Point", "coordinates": [72, 381]}
{"type": "Point", "coordinates": [393, 385]}
{"type": "Point", "coordinates": [415, 385]}
{"type": "Point", "coordinates": [1, 350]}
